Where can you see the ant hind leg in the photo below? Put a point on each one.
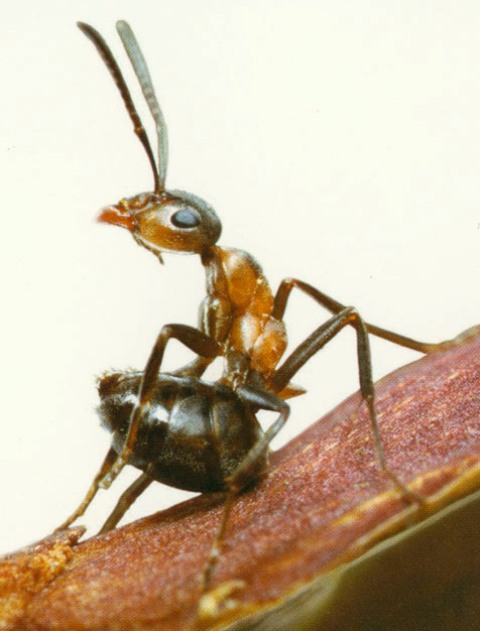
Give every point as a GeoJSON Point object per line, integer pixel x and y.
{"type": "Point", "coordinates": [286, 286]}
{"type": "Point", "coordinates": [321, 336]}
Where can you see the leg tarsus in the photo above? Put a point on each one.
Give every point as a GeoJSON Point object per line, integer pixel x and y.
{"type": "Point", "coordinates": [214, 602]}
{"type": "Point", "coordinates": [215, 549]}
{"type": "Point", "coordinates": [407, 493]}
{"type": "Point", "coordinates": [92, 491]}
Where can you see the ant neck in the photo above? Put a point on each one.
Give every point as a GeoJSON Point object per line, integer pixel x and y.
{"type": "Point", "coordinates": [209, 255]}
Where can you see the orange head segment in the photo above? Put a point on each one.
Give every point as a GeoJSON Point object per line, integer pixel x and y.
{"type": "Point", "coordinates": [166, 222]}
{"type": "Point", "coordinates": [160, 221]}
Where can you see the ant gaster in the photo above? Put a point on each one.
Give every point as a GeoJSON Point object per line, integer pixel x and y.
{"type": "Point", "coordinates": [179, 429]}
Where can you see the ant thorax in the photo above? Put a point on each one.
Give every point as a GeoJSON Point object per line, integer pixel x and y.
{"type": "Point", "coordinates": [237, 310]}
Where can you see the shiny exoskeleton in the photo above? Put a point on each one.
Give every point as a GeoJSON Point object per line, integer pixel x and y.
{"type": "Point", "coordinates": [195, 433]}
{"type": "Point", "coordinates": [176, 428]}
{"type": "Point", "coordinates": [241, 319]}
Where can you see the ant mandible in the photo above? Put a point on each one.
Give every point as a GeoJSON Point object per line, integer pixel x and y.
{"type": "Point", "coordinates": [241, 319]}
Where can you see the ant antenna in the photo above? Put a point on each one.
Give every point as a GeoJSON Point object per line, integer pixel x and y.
{"type": "Point", "coordinates": [107, 56]}
{"type": "Point", "coordinates": [139, 65]}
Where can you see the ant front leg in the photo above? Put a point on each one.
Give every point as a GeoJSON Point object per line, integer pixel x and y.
{"type": "Point", "coordinates": [193, 339]}
{"type": "Point", "coordinates": [286, 286]}
{"type": "Point", "coordinates": [92, 491]}
{"type": "Point", "coordinates": [316, 341]}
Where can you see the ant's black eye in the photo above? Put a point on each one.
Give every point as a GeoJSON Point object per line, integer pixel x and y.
{"type": "Point", "coordinates": [185, 219]}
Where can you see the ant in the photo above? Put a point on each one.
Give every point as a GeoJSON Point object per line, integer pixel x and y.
{"type": "Point", "coordinates": [240, 318]}
{"type": "Point", "coordinates": [177, 428]}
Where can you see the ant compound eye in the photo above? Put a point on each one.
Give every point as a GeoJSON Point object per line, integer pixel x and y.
{"type": "Point", "coordinates": [185, 218]}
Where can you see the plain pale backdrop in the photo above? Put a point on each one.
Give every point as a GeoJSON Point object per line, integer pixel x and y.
{"type": "Point", "coordinates": [339, 143]}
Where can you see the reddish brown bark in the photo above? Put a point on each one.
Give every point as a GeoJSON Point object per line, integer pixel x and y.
{"type": "Point", "coordinates": [324, 501]}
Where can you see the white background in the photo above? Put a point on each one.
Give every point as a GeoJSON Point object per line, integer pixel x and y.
{"type": "Point", "coordinates": [339, 143]}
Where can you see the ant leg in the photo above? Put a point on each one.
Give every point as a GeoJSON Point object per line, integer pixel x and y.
{"type": "Point", "coordinates": [248, 469]}
{"type": "Point", "coordinates": [214, 322]}
{"type": "Point", "coordinates": [211, 600]}
{"type": "Point", "coordinates": [193, 339]}
{"type": "Point", "coordinates": [92, 491]}
{"type": "Point", "coordinates": [318, 339]}
{"type": "Point", "coordinates": [215, 550]}
{"type": "Point", "coordinates": [127, 498]}
{"type": "Point", "coordinates": [286, 286]}
{"type": "Point", "coordinates": [264, 400]}
{"type": "Point", "coordinates": [195, 368]}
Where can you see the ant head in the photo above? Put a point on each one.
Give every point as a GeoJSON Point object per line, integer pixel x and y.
{"type": "Point", "coordinates": [160, 221]}
{"type": "Point", "coordinates": [167, 222]}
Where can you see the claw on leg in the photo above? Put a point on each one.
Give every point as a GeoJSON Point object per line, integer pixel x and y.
{"type": "Point", "coordinates": [104, 471]}
{"type": "Point", "coordinates": [213, 603]}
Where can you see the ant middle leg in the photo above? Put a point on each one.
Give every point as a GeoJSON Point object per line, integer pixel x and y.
{"type": "Point", "coordinates": [127, 498]}
{"type": "Point", "coordinates": [286, 286]}
{"type": "Point", "coordinates": [244, 473]}
{"type": "Point", "coordinates": [211, 600]}
{"type": "Point", "coordinates": [193, 339]}
{"type": "Point", "coordinates": [321, 336]}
